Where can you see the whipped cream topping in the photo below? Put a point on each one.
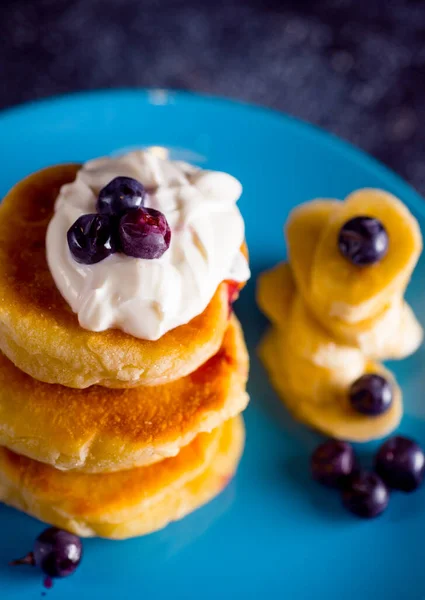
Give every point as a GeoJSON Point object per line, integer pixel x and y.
{"type": "Point", "coordinates": [147, 298]}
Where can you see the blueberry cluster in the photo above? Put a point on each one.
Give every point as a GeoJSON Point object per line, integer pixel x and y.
{"type": "Point", "coordinates": [399, 465]}
{"type": "Point", "coordinates": [121, 224]}
{"type": "Point", "coordinates": [363, 241]}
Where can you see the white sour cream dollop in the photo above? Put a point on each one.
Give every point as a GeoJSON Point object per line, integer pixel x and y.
{"type": "Point", "coordinates": [147, 298]}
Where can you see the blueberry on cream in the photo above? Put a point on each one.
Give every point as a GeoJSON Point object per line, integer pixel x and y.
{"type": "Point", "coordinates": [123, 225]}
{"type": "Point", "coordinates": [120, 195]}
{"type": "Point", "coordinates": [144, 233]}
{"type": "Point", "coordinates": [92, 238]}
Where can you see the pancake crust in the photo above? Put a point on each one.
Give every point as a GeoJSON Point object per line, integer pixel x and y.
{"type": "Point", "coordinates": [127, 503]}
{"type": "Point", "coordinates": [41, 335]}
{"type": "Point", "coordinates": [100, 429]}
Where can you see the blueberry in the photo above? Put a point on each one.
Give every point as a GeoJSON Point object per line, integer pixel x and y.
{"type": "Point", "coordinates": [332, 462]}
{"type": "Point", "coordinates": [363, 241]}
{"type": "Point", "coordinates": [144, 233]}
{"type": "Point", "coordinates": [56, 552]}
{"type": "Point", "coordinates": [371, 394]}
{"type": "Point", "coordinates": [365, 494]}
{"type": "Point", "coordinates": [401, 463]}
{"type": "Point", "coordinates": [120, 195]}
{"type": "Point", "coordinates": [92, 238]}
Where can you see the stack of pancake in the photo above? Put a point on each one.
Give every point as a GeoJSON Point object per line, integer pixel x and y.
{"type": "Point", "coordinates": [103, 433]}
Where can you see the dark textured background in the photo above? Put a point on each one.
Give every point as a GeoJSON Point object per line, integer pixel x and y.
{"type": "Point", "coordinates": [354, 67]}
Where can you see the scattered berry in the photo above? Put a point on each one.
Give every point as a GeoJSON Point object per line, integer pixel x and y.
{"type": "Point", "coordinates": [401, 463]}
{"type": "Point", "coordinates": [332, 462]}
{"type": "Point", "coordinates": [365, 494]}
{"type": "Point", "coordinates": [56, 552]}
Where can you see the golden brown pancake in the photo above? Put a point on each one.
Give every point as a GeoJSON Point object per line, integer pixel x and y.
{"type": "Point", "coordinates": [41, 335]}
{"type": "Point", "coordinates": [127, 503]}
{"type": "Point", "coordinates": [100, 429]}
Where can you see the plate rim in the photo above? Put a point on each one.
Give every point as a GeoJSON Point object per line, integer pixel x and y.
{"type": "Point", "coordinates": [350, 153]}
{"type": "Point", "coordinates": [156, 96]}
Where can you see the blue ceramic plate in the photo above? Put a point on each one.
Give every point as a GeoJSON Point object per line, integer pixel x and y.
{"type": "Point", "coordinates": [273, 533]}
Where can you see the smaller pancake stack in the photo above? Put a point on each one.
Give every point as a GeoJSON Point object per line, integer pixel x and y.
{"type": "Point", "coordinates": [104, 434]}
{"type": "Point", "coordinates": [332, 321]}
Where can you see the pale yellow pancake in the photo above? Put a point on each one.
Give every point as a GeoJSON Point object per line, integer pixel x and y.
{"type": "Point", "coordinates": [394, 334]}
{"type": "Point", "coordinates": [127, 503]}
{"type": "Point", "coordinates": [100, 429]}
{"type": "Point", "coordinates": [275, 294]}
{"type": "Point", "coordinates": [41, 335]}
{"type": "Point", "coordinates": [311, 359]}
{"type": "Point", "coordinates": [318, 398]}
{"type": "Point", "coordinates": [303, 229]}
{"type": "Point", "coordinates": [352, 293]}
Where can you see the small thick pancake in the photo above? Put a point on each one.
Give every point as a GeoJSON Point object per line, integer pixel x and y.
{"type": "Point", "coordinates": [329, 409]}
{"type": "Point", "coordinates": [313, 360]}
{"type": "Point", "coordinates": [394, 334]}
{"type": "Point", "coordinates": [127, 503]}
{"type": "Point", "coordinates": [342, 289]}
{"type": "Point", "coordinates": [302, 232]}
{"type": "Point", "coordinates": [41, 335]}
{"type": "Point", "coordinates": [101, 429]}
{"type": "Point", "coordinates": [311, 341]}
{"type": "Point", "coordinates": [304, 380]}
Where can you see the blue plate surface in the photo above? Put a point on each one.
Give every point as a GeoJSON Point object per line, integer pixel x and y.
{"type": "Point", "coordinates": [273, 533]}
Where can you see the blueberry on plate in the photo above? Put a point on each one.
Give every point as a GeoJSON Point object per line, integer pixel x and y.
{"type": "Point", "coordinates": [144, 233]}
{"type": "Point", "coordinates": [365, 494]}
{"type": "Point", "coordinates": [371, 394]}
{"type": "Point", "coordinates": [56, 552]}
{"type": "Point", "coordinates": [363, 241]}
{"type": "Point", "coordinates": [332, 462]}
{"type": "Point", "coordinates": [401, 463]}
{"type": "Point", "coordinates": [92, 238]}
{"type": "Point", "coordinates": [120, 195]}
